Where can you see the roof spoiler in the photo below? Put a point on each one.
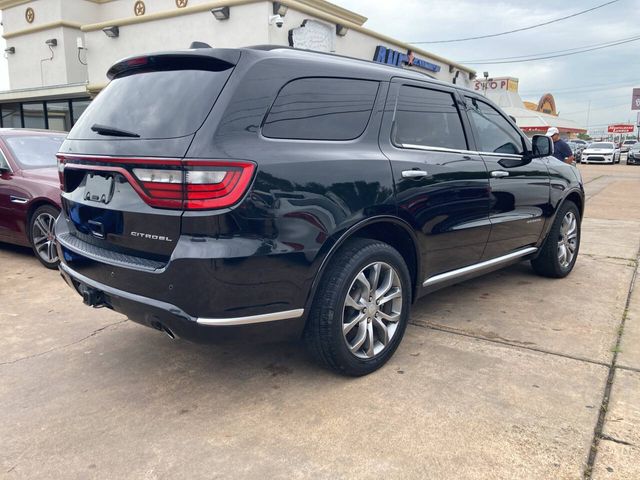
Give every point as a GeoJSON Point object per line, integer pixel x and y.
{"type": "Point", "coordinates": [200, 58]}
{"type": "Point", "coordinates": [199, 45]}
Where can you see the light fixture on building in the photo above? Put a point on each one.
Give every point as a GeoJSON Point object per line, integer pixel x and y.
{"type": "Point", "coordinates": [52, 42]}
{"type": "Point", "coordinates": [341, 30]}
{"type": "Point", "coordinates": [280, 9]}
{"type": "Point", "coordinates": [221, 13]}
{"type": "Point", "coordinates": [10, 50]}
{"type": "Point", "coordinates": [112, 31]}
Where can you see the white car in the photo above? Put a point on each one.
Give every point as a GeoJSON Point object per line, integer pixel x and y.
{"type": "Point", "coordinates": [626, 145]}
{"type": "Point", "coordinates": [601, 152]}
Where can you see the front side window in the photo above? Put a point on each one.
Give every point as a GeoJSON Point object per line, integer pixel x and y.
{"type": "Point", "coordinates": [321, 109]}
{"type": "Point", "coordinates": [495, 133]}
{"type": "Point", "coordinates": [427, 118]}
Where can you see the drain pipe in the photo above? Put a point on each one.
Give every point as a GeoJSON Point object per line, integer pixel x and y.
{"type": "Point", "coordinates": [52, 42]}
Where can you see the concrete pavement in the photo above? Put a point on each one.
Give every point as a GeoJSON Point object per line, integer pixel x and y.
{"type": "Point", "coordinates": [506, 376]}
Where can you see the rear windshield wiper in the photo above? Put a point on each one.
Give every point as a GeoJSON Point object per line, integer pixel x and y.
{"type": "Point", "coordinates": [112, 131]}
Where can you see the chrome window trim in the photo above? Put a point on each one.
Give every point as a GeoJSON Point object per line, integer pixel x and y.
{"type": "Point", "coordinates": [453, 150]}
{"type": "Point", "coordinates": [434, 149]}
{"type": "Point", "coordinates": [478, 267]}
{"type": "Point", "coordinates": [501, 155]}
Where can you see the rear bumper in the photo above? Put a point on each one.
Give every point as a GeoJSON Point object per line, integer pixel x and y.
{"type": "Point", "coordinates": [278, 326]}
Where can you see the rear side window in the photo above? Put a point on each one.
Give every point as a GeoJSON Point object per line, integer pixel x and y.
{"type": "Point", "coordinates": [496, 134]}
{"type": "Point", "coordinates": [427, 118]}
{"type": "Point", "coordinates": [321, 109]}
{"type": "Point", "coordinates": [153, 104]}
{"type": "Point", "coordinates": [34, 151]}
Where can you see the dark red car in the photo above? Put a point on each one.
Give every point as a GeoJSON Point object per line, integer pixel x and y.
{"type": "Point", "coordinates": [30, 190]}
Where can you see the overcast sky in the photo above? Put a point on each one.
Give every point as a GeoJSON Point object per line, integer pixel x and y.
{"type": "Point", "coordinates": [605, 77]}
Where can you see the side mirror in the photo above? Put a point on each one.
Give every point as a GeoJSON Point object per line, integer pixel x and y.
{"type": "Point", "coordinates": [542, 146]}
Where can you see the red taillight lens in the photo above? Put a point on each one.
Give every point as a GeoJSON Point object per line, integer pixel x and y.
{"type": "Point", "coordinates": [172, 183]}
{"type": "Point", "coordinates": [215, 184]}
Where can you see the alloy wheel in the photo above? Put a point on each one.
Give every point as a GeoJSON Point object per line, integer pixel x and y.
{"type": "Point", "coordinates": [568, 242]}
{"type": "Point", "coordinates": [43, 237]}
{"type": "Point", "coordinates": [372, 310]}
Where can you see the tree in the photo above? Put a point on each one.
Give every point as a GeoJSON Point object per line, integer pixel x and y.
{"type": "Point", "coordinates": [584, 136]}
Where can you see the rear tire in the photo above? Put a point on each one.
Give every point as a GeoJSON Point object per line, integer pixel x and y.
{"type": "Point", "coordinates": [559, 251]}
{"type": "Point", "coordinates": [361, 308]}
{"type": "Point", "coordinates": [41, 235]}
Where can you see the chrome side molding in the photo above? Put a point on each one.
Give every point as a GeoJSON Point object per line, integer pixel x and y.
{"type": "Point", "coordinates": [18, 200]}
{"type": "Point", "coordinates": [267, 317]}
{"type": "Point", "coordinates": [478, 267]}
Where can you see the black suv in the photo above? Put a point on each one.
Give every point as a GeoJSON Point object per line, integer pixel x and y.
{"type": "Point", "coordinates": [275, 193]}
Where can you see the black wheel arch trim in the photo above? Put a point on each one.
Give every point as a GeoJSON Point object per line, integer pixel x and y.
{"type": "Point", "coordinates": [575, 190]}
{"type": "Point", "coordinates": [350, 233]}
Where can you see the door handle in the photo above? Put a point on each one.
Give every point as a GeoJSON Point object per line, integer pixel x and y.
{"type": "Point", "coordinates": [499, 174]}
{"type": "Point", "coordinates": [414, 174]}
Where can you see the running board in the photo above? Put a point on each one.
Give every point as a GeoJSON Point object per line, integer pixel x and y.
{"type": "Point", "coordinates": [478, 267]}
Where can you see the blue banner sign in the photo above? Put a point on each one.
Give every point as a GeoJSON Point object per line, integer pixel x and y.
{"type": "Point", "coordinates": [397, 59]}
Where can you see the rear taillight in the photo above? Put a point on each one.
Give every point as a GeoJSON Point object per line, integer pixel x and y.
{"type": "Point", "coordinates": [215, 184]}
{"type": "Point", "coordinates": [176, 184]}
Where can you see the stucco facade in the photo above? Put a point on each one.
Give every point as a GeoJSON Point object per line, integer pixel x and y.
{"type": "Point", "coordinates": [41, 71]}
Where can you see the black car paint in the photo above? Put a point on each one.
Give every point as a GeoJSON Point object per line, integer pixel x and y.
{"type": "Point", "coordinates": [267, 253]}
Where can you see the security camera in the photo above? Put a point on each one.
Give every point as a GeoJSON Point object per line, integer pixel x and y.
{"type": "Point", "coordinates": [276, 20]}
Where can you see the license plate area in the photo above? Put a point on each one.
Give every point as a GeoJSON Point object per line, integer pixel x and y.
{"type": "Point", "coordinates": [99, 188]}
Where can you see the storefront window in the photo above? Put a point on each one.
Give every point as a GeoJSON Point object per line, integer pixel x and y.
{"type": "Point", "coordinates": [59, 116]}
{"type": "Point", "coordinates": [79, 106]}
{"type": "Point", "coordinates": [33, 115]}
{"type": "Point", "coordinates": [11, 115]}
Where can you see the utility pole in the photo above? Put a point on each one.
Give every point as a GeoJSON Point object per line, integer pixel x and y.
{"type": "Point", "coordinates": [588, 115]}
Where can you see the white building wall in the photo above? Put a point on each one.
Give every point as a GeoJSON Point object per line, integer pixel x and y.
{"type": "Point", "coordinates": [29, 67]}
{"type": "Point", "coordinates": [353, 44]}
{"type": "Point", "coordinates": [247, 25]}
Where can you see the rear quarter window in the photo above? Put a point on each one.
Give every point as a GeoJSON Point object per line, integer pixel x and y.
{"type": "Point", "coordinates": [321, 109]}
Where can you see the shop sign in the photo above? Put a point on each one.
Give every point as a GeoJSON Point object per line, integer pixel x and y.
{"type": "Point", "coordinates": [389, 56]}
{"type": "Point", "coordinates": [509, 84]}
{"type": "Point", "coordinates": [620, 128]}
{"type": "Point", "coordinates": [635, 100]}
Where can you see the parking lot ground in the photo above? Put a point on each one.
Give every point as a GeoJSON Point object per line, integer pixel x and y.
{"type": "Point", "coordinates": [504, 376]}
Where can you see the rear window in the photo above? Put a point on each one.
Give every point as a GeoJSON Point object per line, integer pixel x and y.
{"type": "Point", "coordinates": [153, 104]}
{"type": "Point", "coordinates": [321, 109]}
{"type": "Point", "coordinates": [35, 151]}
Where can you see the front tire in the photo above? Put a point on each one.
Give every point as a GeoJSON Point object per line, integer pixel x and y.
{"type": "Point", "coordinates": [42, 237]}
{"type": "Point", "coordinates": [361, 309]}
{"type": "Point", "coordinates": [559, 252]}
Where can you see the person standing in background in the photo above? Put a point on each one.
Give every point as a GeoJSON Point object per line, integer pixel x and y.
{"type": "Point", "coordinates": [561, 150]}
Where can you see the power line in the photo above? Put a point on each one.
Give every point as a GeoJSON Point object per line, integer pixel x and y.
{"type": "Point", "coordinates": [594, 109]}
{"type": "Point", "coordinates": [582, 89]}
{"type": "Point", "coordinates": [518, 57]}
{"type": "Point", "coordinates": [621, 42]}
{"type": "Point", "coordinates": [519, 29]}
